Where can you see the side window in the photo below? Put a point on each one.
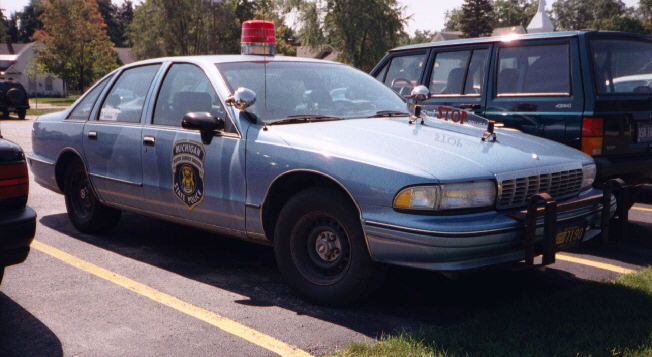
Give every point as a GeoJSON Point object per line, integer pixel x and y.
{"type": "Point", "coordinates": [404, 72]}
{"type": "Point", "coordinates": [186, 89]}
{"type": "Point", "coordinates": [126, 99]}
{"type": "Point", "coordinates": [83, 109]}
{"type": "Point", "coordinates": [534, 70]}
{"type": "Point", "coordinates": [475, 78]}
{"type": "Point", "coordinates": [448, 73]}
{"type": "Point", "coordinates": [381, 75]}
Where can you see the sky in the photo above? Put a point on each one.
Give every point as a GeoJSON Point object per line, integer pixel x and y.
{"type": "Point", "coordinates": [425, 14]}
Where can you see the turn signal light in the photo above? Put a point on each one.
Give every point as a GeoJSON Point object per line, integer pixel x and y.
{"type": "Point", "coordinates": [592, 132]}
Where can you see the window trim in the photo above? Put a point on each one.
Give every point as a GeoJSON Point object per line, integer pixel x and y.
{"type": "Point", "coordinates": [566, 43]}
{"type": "Point", "coordinates": [390, 60]}
{"type": "Point", "coordinates": [150, 121]}
{"type": "Point", "coordinates": [81, 99]}
{"type": "Point", "coordinates": [113, 83]}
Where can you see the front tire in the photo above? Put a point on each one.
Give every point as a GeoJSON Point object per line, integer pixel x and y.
{"type": "Point", "coordinates": [86, 213]}
{"type": "Point", "coordinates": [320, 248]}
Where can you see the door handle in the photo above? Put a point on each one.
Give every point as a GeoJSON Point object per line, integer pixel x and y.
{"type": "Point", "coordinates": [149, 140]}
{"type": "Point", "coordinates": [92, 134]}
{"type": "Point", "coordinates": [469, 106]}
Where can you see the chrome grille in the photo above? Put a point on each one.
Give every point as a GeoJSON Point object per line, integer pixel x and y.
{"type": "Point", "coordinates": [560, 184]}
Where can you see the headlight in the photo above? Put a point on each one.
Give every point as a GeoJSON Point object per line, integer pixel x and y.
{"type": "Point", "coordinates": [450, 196]}
{"type": "Point", "coordinates": [588, 175]}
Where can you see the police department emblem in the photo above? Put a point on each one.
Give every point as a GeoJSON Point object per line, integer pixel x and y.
{"type": "Point", "coordinates": [188, 172]}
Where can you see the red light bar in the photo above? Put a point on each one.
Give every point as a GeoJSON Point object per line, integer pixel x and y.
{"type": "Point", "coordinates": [258, 38]}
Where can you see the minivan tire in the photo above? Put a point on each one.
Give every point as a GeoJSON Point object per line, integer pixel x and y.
{"type": "Point", "coordinates": [320, 248]}
{"type": "Point", "coordinates": [22, 114]}
{"type": "Point", "coordinates": [86, 213]}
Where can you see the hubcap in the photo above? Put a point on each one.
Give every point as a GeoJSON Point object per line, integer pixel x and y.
{"type": "Point", "coordinates": [328, 246]}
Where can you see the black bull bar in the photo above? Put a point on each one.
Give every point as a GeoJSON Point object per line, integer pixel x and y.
{"type": "Point", "coordinates": [543, 205]}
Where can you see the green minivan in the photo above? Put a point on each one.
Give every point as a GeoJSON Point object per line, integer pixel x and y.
{"type": "Point", "coordinates": [589, 90]}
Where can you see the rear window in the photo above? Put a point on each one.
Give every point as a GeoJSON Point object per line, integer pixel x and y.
{"type": "Point", "coordinates": [534, 70]}
{"type": "Point", "coordinates": [622, 66]}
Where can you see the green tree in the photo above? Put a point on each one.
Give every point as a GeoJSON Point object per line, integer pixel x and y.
{"type": "Point", "coordinates": [75, 44]}
{"type": "Point", "coordinates": [580, 14]}
{"type": "Point", "coordinates": [453, 20]}
{"type": "Point", "coordinates": [28, 21]}
{"type": "Point", "coordinates": [125, 16]}
{"type": "Point", "coordinates": [361, 31]}
{"type": "Point", "coordinates": [514, 12]}
{"type": "Point", "coordinates": [477, 18]}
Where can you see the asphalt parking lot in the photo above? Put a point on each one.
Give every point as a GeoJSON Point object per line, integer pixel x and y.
{"type": "Point", "coordinates": [157, 288]}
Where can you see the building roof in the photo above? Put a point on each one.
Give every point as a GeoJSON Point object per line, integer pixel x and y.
{"type": "Point", "coordinates": [504, 31]}
{"type": "Point", "coordinates": [447, 36]}
{"type": "Point", "coordinates": [124, 55]}
{"type": "Point", "coordinates": [6, 49]}
{"type": "Point", "coordinates": [541, 21]}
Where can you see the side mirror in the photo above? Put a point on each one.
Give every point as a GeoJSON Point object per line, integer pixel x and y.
{"type": "Point", "coordinates": [242, 98]}
{"type": "Point", "coordinates": [420, 93]}
{"type": "Point", "coordinates": [205, 122]}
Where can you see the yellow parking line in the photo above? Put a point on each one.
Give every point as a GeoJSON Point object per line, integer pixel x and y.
{"type": "Point", "coordinates": [642, 209]}
{"type": "Point", "coordinates": [223, 323]}
{"type": "Point", "coordinates": [595, 264]}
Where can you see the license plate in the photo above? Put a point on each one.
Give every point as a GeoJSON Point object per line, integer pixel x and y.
{"type": "Point", "coordinates": [569, 236]}
{"type": "Point", "coordinates": [644, 133]}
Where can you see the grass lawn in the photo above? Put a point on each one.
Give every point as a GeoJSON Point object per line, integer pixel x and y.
{"type": "Point", "coordinates": [41, 111]}
{"type": "Point", "coordinates": [55, 101]}
{"type": "Point", "coordinates": [591, 319]}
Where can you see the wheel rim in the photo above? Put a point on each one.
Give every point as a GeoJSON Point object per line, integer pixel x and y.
{"type": "Point", "coordinates": [320, 249]}
{"type": "Point", "coordinates": [81, 196]}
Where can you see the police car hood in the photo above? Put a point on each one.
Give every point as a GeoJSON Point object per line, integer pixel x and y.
{"type": "Point", "coordinates": [443, 152]}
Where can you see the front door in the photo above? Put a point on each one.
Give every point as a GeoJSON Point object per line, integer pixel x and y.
{"type": "Point", "coordinates": [183, 176]}
{"type": "Point", "coordinates": [112, 142]}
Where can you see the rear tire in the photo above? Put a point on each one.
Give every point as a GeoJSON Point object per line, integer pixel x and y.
{"type": "Point", "coordinates": [86, 213]}
{"type": "Point", "coordinates": [320, 249]}
{"type": "Point", "coordinates": [22, 114]}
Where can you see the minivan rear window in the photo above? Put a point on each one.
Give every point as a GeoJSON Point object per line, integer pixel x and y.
{"type": "Point", "coordinates": [622, 66]}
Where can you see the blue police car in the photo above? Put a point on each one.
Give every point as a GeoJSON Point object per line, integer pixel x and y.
{"type": "Point", "coordinates": [319, 160]}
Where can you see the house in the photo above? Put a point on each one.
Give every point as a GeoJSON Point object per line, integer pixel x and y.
{"type": "Point", "coordinates": [15, 59]}
{"type": "Point", "coordinates": [15, 66]}
{"type": "Point", "coordinates": [447, 35]}
{"type": "Point", "coordinates": [324, 52]}
{"type": "Point", "coordinates": [511, 30]}
{"type": "Point", "coordinates": [541, 21]}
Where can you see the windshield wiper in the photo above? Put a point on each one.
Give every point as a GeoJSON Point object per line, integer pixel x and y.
{"type": "Point", "coordinates": [389, 114]}
{"type": "Point", "coordinates": [304, 118]}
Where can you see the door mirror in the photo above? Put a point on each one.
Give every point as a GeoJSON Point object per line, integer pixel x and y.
{"type": "Point", "coordinates": [205, 122]}
{"type": "Point", "coordinates": [242, 98]}
{"type": "Point", "coordinates": [420, 93]}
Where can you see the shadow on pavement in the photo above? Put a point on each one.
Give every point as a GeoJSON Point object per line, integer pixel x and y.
{"type": "Point", "coordinates": [22, 334]}
{"type": "Point", "coordinates": [594, 319]}
{"type": "Point", "coordinates": [407, 299]}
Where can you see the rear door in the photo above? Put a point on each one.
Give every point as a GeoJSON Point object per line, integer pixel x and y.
{"type": "Point", "coordinates": [536, 86]}
{"type": "Point", "coordinates": [621, 66]}
{"type": "Point", "coordinates": [456, 77]}
{"type": "Point", "coordinates": [112, 142]}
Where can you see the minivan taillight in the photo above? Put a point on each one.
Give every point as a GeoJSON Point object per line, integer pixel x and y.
{"type": "Point", "coordinates": [592, 133]}
{"type": "Point", "coordinates": [14, 185]}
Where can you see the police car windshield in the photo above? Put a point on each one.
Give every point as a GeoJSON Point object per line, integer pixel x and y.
{"type": "Point", "coordinates": [286, 89]}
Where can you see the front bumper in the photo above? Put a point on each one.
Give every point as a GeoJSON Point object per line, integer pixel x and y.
{"type": "Point", "coordinates": [17, 230]}
{"type": "Point", "coordinates": [439, 250]}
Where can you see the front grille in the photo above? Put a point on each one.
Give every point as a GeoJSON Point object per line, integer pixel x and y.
{"type": "Point", "coordinates": [560, 184]}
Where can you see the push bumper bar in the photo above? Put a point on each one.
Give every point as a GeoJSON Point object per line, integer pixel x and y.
{"type": "Point", "coordinates": [543, 205]}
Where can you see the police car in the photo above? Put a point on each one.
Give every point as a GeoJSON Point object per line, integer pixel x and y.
{"type": "Point", "coordinates": [319, 160]}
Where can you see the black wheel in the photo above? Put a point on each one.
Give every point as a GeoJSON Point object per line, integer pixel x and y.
{"type": "Point", "coordinates": [22, 114]}
{"type": "Point", "coordinates": [86, 213]}
{"type": "Point", "coordinates": [2, 273]}
{"type": "Point", "coordinates": [320, 248]}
